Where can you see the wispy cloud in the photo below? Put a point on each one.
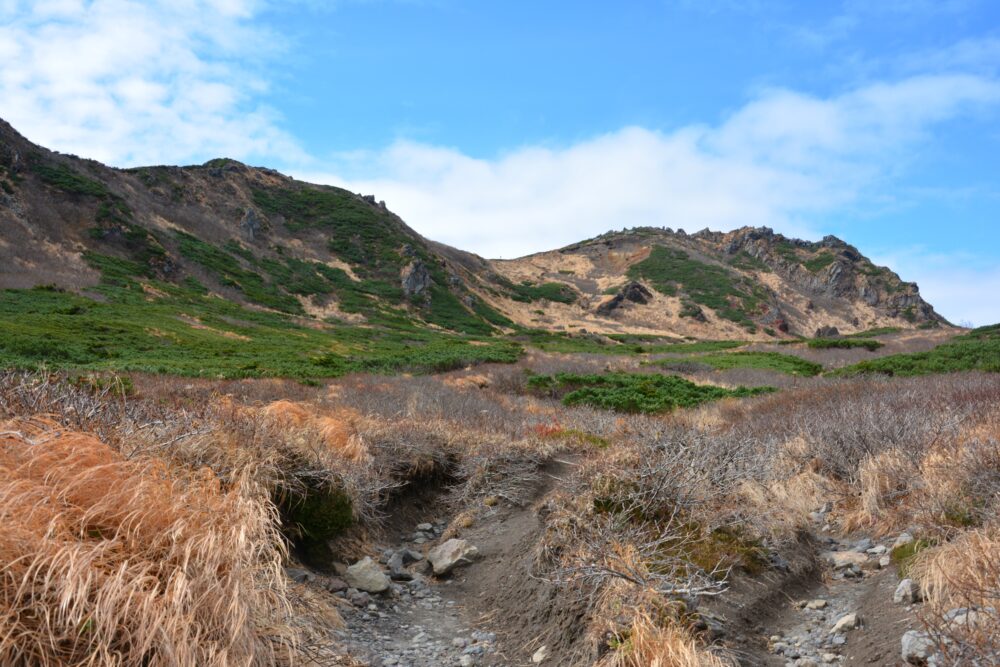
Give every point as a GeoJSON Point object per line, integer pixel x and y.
{"type": "Point", "coordinates": [130, 81]}
{"type": "Point", "coordinates": [782, 160]}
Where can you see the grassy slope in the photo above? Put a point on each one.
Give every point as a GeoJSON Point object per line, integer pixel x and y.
{"type": "Point", "coordinates": [183, 332]}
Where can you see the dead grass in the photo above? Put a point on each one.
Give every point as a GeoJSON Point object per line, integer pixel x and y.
{"type": "Point", "coordinates": [648, 643]}
{"type": "Point", "coordinates": [122, 562]}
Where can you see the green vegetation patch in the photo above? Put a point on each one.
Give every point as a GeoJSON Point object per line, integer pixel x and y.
{"type": "Point", "coordinates": [819, 262]}
{"type": "Point", "coordinates": [186, 332]}
{"type": "Point", "coordinates": [527, 292]}
{"type": "Point", "coordinates": [771, 361]}
{"type": "Point", "coordinates": [869, 344]}
{"type": "Point", "coordinates": [730, 296]}
{"type": "Point", "coordinates": [633, 392]}
{"type": "Point", "coordinates": [978, 350]}
{"type": "Point", "coordinates": [70, 181]}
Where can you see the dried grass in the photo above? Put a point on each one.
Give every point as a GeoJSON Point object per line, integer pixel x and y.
{"type": "Point", "coordinates": [123, 562]}
{"type": "Point", "coordinates": [648, 643]}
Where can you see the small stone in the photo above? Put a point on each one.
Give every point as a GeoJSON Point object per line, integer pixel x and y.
{"type": "Point", "coordinates": [878, 550]}
{"type": "Point", "coordinates": [863, 545]}
{"type": "Point", "coordinates": [336, 584]}
{"type": "Point", "coordinates": [917, 647]}
{"type": "Point", "coordinates": [816, 604]}
{"type": "Point", "coordinates": [459, 642]}
{"type": "Point", "coordinates": [907, 592]}
{"type": "Point", "coordinates": [844, 559]}
{"type": "Point", "coordinates": [903, 540]}
{"type": "Point", "coordinates": [298, 575]}
{"type": "Point", "coordinates": [829, 657]}
{"type": "Point", "coordinates": [359, 598]}
{"type": "Point", "coordinates": [774, 639]}
{"type": "Point", "coordinates": [884, 562]}
{"type": "Point", "coordinates": [540, 655]}
{"type": "Point", "coordinates": [425, 527]}
{"type": "Point", "coordinates": [466, 661]}
{"type": "Point", "coordinates": [845, 623]}
{"type": "Point", "coordinates": [475, 649]}
{"type": "Point", "coordinates": [838, 640]}
{"type": "Point", "coordinates": [420, 638]}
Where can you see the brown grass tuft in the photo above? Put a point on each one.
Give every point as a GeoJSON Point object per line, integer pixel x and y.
{"type": "Point", "coordinates": [124, 562]}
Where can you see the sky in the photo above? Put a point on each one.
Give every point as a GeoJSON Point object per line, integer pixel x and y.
{"type": "Point", "coordinates": [507, 127]}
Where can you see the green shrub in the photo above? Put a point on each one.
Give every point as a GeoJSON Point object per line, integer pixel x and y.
{"type": "Point", "coordinates": [633, 392]}
{"type": "Point", "coordinates": [978, 350]}
{"type": "Point", "coordinates": [772, 361]}
{"type": "Point", "coordinates": [869, 344]}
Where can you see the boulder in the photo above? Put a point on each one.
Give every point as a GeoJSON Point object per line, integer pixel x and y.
{"type": "Point", "coordinates": [453, 553]}
{"type": "Point", "coordinates": [367, 576]}
{"type": "Point", "coordinates": [827, 332]}
{"type": "Point", "coordinates": [917, 648]}
{"type": "Point", "coordinates": [396, 570]}
{"type": "Point", "coordinates": [845, 623]}
{"type": "Point", "coordinates": [907, 592]}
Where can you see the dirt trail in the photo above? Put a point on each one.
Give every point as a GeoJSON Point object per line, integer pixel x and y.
{"type": "Point", "coordinates": [462, 619]}
{"type": "Point", "coordinates": [845, 615]}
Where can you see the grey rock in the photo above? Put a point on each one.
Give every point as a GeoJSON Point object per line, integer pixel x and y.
{"type": "Point", "coordinates": [298, 575]}
{"type": "Point", "coordinates": [336, 584]}
{"type": "Point", "coordinates": [907, 592]}
{"type": "Point", "coordinates": [453, 553]}
{"type": "Point", "coordinates": [366, 575]}
{"type": "Point", "coordinates": [903, 540]}
{"type": "Point", "coordinates": [917, 648]}
{"type": "Point", "coordinates": [863, 545]}
{"type": "Point", "coordinates": [845, 623]}
{"type": "Point", "coordinates": [415, 278]}
{"type": "Point", "coordinates": [425, 527]}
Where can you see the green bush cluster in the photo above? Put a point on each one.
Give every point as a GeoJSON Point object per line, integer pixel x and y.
{"type": "Point", "coordinates": [633, 392]}
{"type": "Point", "coordinates": [869, 344]}
{"type": "Point", "coordinates": [978, 350]}
{"type": "Point", "coordinates": [772, 361]}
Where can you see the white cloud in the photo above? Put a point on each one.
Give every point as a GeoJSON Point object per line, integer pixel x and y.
{"type": "Point", "coordinates": [138, 82]}
{"type": "Point", "coordinates": [782, 160]}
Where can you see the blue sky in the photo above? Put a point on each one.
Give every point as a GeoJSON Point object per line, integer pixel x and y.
{"type": "Point", "coordinates": [511, 127]}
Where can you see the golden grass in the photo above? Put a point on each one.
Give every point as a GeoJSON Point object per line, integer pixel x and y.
{"type": "Point", "coordinates": [109, 561]}
{"type": "Point", "coordinates": [337, 429]}
{"type": "Point", "coordinates": [652, 644]}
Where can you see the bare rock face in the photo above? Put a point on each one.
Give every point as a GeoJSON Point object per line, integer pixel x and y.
{"type": "Point", "coordinates": [453, 553]}
{"type": "Point", "coordinates": [251, 225]}
{"type": "Point", "coordinates": [634, 292]}
{"type": "Point", "coordinates": [415, 278]}
{"type": "Point", "coordinates": [827, 332]}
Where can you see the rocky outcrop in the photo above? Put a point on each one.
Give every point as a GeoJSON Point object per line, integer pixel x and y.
{"type": "Point", "coordinates": [250, 225]}
{"type": "Point", "coordinates": [633, 292]}
{"type": "Point", "coordinates": [415, 278]}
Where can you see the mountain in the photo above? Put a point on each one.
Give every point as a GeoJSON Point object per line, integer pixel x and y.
{"type": "Point", "coordinates": [321, 254]}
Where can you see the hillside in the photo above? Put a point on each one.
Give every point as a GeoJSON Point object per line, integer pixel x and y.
{"type": "Point", "coordinates": [207, 269]}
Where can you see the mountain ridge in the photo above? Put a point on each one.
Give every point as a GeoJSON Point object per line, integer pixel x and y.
{"type": "Point", "coordinates": [257, 237]}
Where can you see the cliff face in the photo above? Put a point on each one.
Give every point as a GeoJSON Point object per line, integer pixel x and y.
{"type": "Point", "coordinates": [260, 238]}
